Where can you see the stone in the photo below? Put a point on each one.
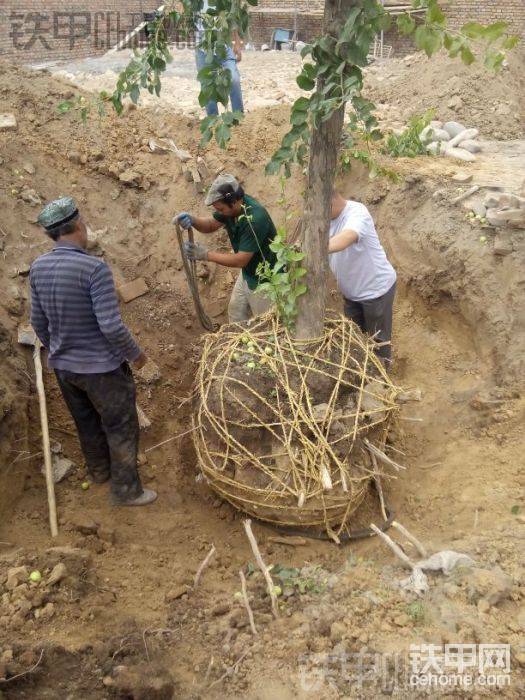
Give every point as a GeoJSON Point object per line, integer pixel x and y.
{"type": "Point", "coordinates": [462, 177]}
{"type": "Point", "coordinates": [471, 146]}
{"type": "Point", "coordinates": [150, 373]}
{"type": "Point", "coordinates": [456, 103]}
{"type": "Point", "coordinates": [76, 559]}
{"type": "Point", "coordinates": [401, 620]}
{"type": "Point", "coordinates": [453, 128]}
{"type": "Point", "coordinates": [220, 609]}
{"type": "Point", "coordinates": [107, 534]}
{"type": "Point", "coordinates": [30, 196]}
{"type": "Point", "coordinates": [492, 585]}
{"type": "Point", "coordinates": [465, 135]}
{"type": "Point", "coordinates": [130, 177]}
{"type": "Point", "coordinates": [478, 208]}
{"type": "Point", "coordinates": [430, 133]}
{"type": "Point", "coordinates": [502, 244]}
{"type": "Point", "coordinates": [175, 593]}
{"type": "Point", "coordinates": [460, 154]}
{"type": "Point", "coordinates": [436, 148]}
{"type": "Point", "coordinates": [84, 524]}
{"type": "Point", "coordinates": [133, 290]}
{"type": "Point", "coordinates": [510, 217]}
{"type": "Point", "coordinates": [62, 467]}
{"type": "Point", "coordinates": [15, 576]}
{"type": "Point", "coordinates": [29, 168]}
{"type": "Point", "coordinates": [7, 122]}
{"type": "Point", "coordinates": [57, 574]}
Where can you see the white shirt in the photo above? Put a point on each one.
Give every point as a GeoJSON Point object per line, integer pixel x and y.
{"type": "Point", "coordinates": [362, 270]}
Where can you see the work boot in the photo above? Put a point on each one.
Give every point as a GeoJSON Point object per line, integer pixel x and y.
{"type": "Point", "coordinates": [98, 478]}
{"type": "Point", "coordinates": [145, 498]}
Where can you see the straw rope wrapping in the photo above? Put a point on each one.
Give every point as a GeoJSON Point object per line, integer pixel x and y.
{"type": "Point", "coordinates": [280, 423]}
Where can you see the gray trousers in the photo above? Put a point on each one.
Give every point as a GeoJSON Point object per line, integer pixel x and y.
{"type": "Point", "coordinates": [104, 410]}
{"type": "Point", "coordinates": [245, 303]}
{"type": "Point", "coordinates": [374, 316]}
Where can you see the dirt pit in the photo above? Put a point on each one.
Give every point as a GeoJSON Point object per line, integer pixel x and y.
{"type": "Point", "coordinates": [123, 619]}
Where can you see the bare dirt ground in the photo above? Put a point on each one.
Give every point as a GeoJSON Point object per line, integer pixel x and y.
{"type": "Point", "coordinates": [122, 621]}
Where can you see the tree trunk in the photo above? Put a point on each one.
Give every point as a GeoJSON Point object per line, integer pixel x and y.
{"type": "Point", "coordinates": [324, 149]}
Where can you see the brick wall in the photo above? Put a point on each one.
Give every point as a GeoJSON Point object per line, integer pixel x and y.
{"type": "Point", "coordinates": [34, 31]}
{"type": "Point", "coordinates": [48, 30]}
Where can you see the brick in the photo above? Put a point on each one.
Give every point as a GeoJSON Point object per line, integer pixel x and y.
{"type": "Point", "coordinates": [132, 290]}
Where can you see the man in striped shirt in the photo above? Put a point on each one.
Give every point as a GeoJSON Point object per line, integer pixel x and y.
{"type": "Point", "coordinates": [75, 313]}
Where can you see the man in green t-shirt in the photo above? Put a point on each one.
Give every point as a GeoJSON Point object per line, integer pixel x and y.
{"type": "Point", "coordinates": [250, 229]}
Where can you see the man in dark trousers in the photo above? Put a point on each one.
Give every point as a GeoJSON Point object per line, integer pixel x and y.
{"type": "Point", "coordinates": [75, 313]}
{"type": "Point", "coordinates": [251, 232]}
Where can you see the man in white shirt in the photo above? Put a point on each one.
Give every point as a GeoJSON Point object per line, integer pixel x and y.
{"type": "Point", "coordinates": [364, 275]}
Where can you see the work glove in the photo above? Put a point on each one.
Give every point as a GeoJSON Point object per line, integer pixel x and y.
{"type": "Point", "coordinates": [195, 251]}
{"type": "Point", "coordinates": [184, 219]}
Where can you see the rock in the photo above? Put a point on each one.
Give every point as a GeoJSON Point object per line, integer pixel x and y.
{"type": "Point", "coordinates": [456, 103]}
{"type": "Point", "coordinates": [460, 154]}
{"type": "Point", "coordinates": [502, 244]}
{"type": "Point", "coordinates": [220, 609]}
{"type": "Point", "coordinates": [62, 466]}
{"type": "Point", "coordinates": [492, 585]}
{"type": "Point", "coordinates": [471, 146]}
{"type": "Point", "coordinates": [132, 290]}
{"type": "Point", "coordinates": [16, 576]}
{"type": "Point", "coordinates": [30, 196]}
{"type": "Point", "coordinates": [462, 177]}
{"type": "Point", "coordinates": [23, 270]}
{"type": "Point", "coordinates": [150, 373]}
{"type": "Point", "coordinates": [77, 560]}
{"type": "Point", "coordinates": [106, 534]}
{"type": "Point", "coordinates": [84, 524]}
{"type": "Point", "coordinates": [401, 620]}
{"type": "Point", "coordinates": [130, 177]}
{"type": "Point", "coordinates": [465, 135]}
{"type": "Point", "coordinates": [175, 593]}
{"type": "Point", "coordinates": [478, 208]}
{"type": "Point", "coordinates": [58, 573]}
{"type": "Point", "coordinates": [510, 217]}
{"type": "Point", "coordinates": [430, 133]}
{"type": "Point", "coordinates": [453, 128]}
{"type": "Point", "coordinates": [29, 168]}
{"type": "Point", "coordinates": [74, 156]}
{"type": "Point", "coordinates": [337, 631]}
{"type": "Point", "coordinates": [7, 122]}
{"type": "Point", "coordinates": [436, 148]}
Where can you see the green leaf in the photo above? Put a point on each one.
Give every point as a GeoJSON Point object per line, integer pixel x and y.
{"type": "Point", "coordinates": [474, 30]}
{"type": "Point", "coordinates": [429, 40]}
{"type": "Point", "coordinates": [406, 23]}
{"type": "Point", "coordinates": [511, 42]}
{"type": "Point", "coordinates": [467, 56]}
{"type": "Point", "coordinates": [494, 31]}
{"type": "Point", "coordinates": [515, 510]}
{"type": "Point", "coordinates": [65, 106]}
{"type": "Point", "coordinates": [435, 14]}
{"type": "Point", "coordinates": [304, 82]}
{"type": "Point", "coordinates": [494, 60]}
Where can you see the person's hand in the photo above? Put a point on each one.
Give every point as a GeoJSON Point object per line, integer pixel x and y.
{"type": "Point", "coordinates": [195, 251]}
{"type": "Point", "coordinates": [184, 219]}
{"type": "Point", "coordinates": [140, 361]}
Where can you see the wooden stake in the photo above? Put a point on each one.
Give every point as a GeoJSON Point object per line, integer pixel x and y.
{"type": "Point", "coordinates": [247, 603]}
{"type": "Point", "coordinates": [413, 540]}
{"type": "Point", "coordinates": [46, 448]}
{"type": "Point", "coordinates": [262, 566]}
{"type": "Point", "coordinates": [393, 546]}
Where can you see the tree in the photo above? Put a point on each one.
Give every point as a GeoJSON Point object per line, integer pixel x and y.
{"type": "Point", "coordinates": [333, 77]}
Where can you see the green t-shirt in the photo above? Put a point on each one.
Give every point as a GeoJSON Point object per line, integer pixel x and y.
{"type": "Point", "coordinates": [251, 232]}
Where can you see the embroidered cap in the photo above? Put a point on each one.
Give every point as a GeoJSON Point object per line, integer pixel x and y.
{"type": "Point", "coordinates": [58, 212]}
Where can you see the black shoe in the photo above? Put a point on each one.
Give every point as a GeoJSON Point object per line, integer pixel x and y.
{"type": "Point", "coordinates": [98, 478]}
{"type": "Point", "coordinates": [145, 498]}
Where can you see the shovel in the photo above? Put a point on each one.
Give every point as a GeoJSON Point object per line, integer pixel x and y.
{"type": "Point", "coordinates": [27, 336]}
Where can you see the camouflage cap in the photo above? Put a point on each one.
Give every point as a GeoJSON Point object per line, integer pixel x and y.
{"type": "Point", "coordinates": [58, 212]}
{"type": "Point", "coordinates": [222, 185]}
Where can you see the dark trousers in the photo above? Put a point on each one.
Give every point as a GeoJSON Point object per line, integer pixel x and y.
{"type": "Point", "coordinates": [374, 316]}
{"type": "Point", "coordinates": [104, 410]}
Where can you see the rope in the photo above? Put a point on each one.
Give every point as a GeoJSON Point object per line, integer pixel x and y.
{"type": "Point", "coordinates": [190, 268]}
{"type": "Point", "coordinates": [260, 440]}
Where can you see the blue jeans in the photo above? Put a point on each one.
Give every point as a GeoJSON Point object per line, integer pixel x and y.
{"type": "Point", "coordinates": [235, 89]}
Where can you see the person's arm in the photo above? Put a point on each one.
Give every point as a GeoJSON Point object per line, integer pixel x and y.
{"type": "Point", "coordinates": [239, 259]}
{"type": "Point", "coordinates": [39, 320]}
{"type": "Point", "coordinates": [342, 240]}
{"type": "Point", "coordinates": [237, 45]}
{"type": "Point", "coordinates": [205, 224]}
{"type": "Point", "coordinates": [107, 312]}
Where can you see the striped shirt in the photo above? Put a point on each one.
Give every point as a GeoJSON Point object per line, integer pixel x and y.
{"type": "Point", "coordinates": [75, 312]}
